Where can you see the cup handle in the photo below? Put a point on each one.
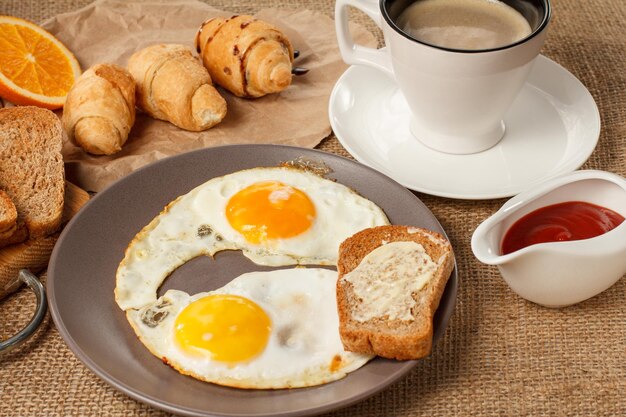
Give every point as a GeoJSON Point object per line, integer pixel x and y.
{"type": "Point", "coordinates": [40, 312]}
{"type": "Point", "coordinates": [352, 53]}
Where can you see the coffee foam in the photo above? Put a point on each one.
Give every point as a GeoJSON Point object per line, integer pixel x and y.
{"type": "Point", "coordinates": [464, 24]}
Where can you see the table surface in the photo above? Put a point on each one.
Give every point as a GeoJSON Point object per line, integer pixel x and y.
{"type": "Point", "coordinates": [500, 355]}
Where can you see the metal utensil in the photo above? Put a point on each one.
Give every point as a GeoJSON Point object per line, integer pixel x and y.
{"type": "Point", "coordinates": [298, 70]}
{"type": "Point", "coordinates": [37, 287]}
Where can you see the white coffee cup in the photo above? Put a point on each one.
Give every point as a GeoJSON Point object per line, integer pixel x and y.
{"type": "Point", "coordinates": [457, 98]}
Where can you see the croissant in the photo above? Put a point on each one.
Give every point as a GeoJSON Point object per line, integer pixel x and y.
{"type": "Point", "coordinates": [100, 109]}
{"type": "Point", "coordinates": [246, 56]}
{"type": "Point", "coordinates": [172, 85]}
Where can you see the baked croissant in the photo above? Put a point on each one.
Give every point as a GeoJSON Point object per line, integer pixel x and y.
{"type": "Point", "coordinates": [246, 56]}
{"type": "Point", "coordinates": [100, 109]}
{"type": "Point", "coordinates": [172, 85]}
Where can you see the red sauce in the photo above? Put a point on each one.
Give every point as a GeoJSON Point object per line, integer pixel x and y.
{"type": "Point", "coordinates": [572, 220]}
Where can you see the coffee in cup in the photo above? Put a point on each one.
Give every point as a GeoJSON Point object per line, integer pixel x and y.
{"type": "Point", "coordinates": [464, 24]}
{"type": "Point", "coordinates": [458, 93]}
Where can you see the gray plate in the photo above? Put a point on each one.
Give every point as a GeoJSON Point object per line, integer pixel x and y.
{"type": "Point", "coordinates": [81, 279]}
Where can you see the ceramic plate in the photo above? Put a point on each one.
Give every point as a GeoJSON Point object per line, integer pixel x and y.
{"type": "Point", "coordinates": [81, 279]}
{"type": "Point", "coordinates": [551, 129]}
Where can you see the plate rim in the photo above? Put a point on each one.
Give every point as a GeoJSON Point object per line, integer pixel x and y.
{"type": "Point", "coordinates": [574, 163]}
{"type": "Point", "coordinates": [138, 394]}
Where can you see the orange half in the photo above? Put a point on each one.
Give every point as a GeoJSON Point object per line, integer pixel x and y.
{"type": "Point", "coordinates": [35, 67]}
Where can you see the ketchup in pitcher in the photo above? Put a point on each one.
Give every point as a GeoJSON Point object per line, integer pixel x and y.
{"type": "Point", "coordinates": [571, 220]}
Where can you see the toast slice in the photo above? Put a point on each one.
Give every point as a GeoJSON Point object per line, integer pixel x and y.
{"type": "Point", "coordinates": [8, 214]}
{"type": "Point", "coordinates": [391, 279]}
{"type": "Point", "coordinates": [31, 171]}
{"type": "Point", "coordinates": [12, 229]}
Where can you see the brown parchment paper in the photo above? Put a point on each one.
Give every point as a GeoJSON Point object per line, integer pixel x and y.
{"type": "Point", "coordinates": [111, 31]}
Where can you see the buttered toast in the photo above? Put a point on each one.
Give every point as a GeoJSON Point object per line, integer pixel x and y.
{"type": "Point", "coordinates": [391, 279]}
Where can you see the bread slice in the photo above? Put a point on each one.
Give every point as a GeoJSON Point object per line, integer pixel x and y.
{"type": "Point", "coordinates": [31, 170]}
{"type": "Point", "coordinates": [12, 229]}
{"type": "Point", "coordinates": [8, 213]}
{"type": "Point", "coordinates": [391, 328]}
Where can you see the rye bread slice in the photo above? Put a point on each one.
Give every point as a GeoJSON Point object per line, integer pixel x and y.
{"type": "Point", "coordinates": [31, 170]}
{"type": "Point", "coordinates": [394, 339]}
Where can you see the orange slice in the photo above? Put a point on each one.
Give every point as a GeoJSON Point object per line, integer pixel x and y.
{"type": "Point", "coordinates": [35, 67]}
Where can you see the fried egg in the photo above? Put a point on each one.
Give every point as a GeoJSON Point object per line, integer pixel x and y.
{"type": "Point", "coordinates": [275, 216]}
{"type": "Point", "coordinates": [274, 329]}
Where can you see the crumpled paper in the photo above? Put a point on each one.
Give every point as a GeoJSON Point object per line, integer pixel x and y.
{"type": "Point", "coordinates": [111, 31]}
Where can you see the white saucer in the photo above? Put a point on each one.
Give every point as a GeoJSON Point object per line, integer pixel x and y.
{"type": "Point", "coordinates": [551, 129]}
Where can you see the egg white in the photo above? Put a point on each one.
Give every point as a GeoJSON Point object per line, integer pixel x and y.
{"type": "Point", "coordinates": [195, 224]}
{"type": "Point", "coordinates": [304, 347]}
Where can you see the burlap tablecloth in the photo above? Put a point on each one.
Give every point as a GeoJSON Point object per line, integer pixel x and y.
{"type": "Point", "coordinates": [500, 355]}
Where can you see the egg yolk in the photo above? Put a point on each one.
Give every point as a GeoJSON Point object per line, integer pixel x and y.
{"type": "Point", "coordinates": [227, 328]}
{"type": "Point", "coordinates": [270, 210]}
